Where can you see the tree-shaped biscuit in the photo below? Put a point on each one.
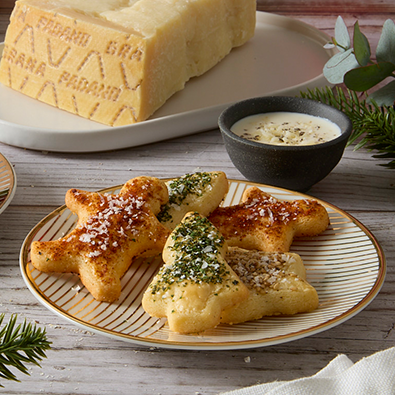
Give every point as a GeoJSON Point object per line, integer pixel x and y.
{"type": "Point", "coordinates": [264, 223]}
{"type": "Point", "coordinates": [111, 231]}
{"type": "Point", "coordinates": [195, 284]}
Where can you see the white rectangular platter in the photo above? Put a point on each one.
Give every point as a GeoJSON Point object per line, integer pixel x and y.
{"type": "Point", "coordinates": [284, 57]}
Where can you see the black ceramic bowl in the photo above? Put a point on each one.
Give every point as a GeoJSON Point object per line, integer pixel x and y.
{"type": "Point", "coordinates": [292, 167]}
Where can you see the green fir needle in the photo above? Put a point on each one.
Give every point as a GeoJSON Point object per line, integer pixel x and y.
{"type": "Point", "coordinates": [20, 344]}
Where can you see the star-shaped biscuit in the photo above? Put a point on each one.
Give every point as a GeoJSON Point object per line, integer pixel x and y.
{"type": "Point", "coordinates": [264, 223]}
{"type": "Point", "coordinates": [111, 231]}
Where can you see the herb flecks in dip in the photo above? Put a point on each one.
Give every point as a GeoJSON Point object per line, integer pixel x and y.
{"type": "Point", "coordinates": [286, 128]}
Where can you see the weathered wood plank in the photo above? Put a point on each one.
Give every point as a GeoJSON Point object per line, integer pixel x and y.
{"type": "Point", "coordinates": [325, 7]}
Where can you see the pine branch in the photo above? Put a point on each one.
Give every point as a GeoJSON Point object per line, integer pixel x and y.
{"type": "Point", "coordinates": [373, 126]}
{"type": "Point", "coordinates": [20, 344]}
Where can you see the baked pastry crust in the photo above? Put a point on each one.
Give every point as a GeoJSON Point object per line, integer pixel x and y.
{"type": "Point", "coordinates": [265, 223]}
{"type": "Point", "coordinates": [112, 230]}
{"type": "Point", "coordinates": [276, 282]}
{"type": "Point", "coordinates": [200, 191]}
{"type": "Point", "coordinates": [195, 284]}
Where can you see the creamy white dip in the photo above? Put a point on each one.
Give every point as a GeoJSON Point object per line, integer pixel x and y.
{"type": "Point", "coordinates": [286, 128]}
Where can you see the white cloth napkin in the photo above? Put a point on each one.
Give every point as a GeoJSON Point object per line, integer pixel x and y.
{"type": "Point", "coordinates": [369, 376]}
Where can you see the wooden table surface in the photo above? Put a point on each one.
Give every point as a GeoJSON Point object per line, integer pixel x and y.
{"type": "Point", "coordinates": [81, 362]}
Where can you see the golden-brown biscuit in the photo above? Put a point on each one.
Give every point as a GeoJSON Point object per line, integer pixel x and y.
{"type": "Point", "coordinates": [111, 231]}
{"type": "Point", "coordinates": [201, 192]}
{"type": "Point", "coordinates": [195, 284]}
{"type": "Point", "coordinates": [277, 285]}
{"type": "Point", "coordinates": [264, 223]}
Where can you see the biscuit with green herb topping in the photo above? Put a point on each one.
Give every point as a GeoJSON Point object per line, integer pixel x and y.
{"type": "Point", "coordinates": [195, 283]}
{"type": "Point", "coordinates": [201, 192]}
{"type": "Point", "coordinates": [277, 285]}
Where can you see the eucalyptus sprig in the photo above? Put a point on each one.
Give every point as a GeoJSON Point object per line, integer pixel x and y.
{"type": "Point", "coordinates": [354, 65]}
{"type": "Point", "coordinates": [20, 344]}
{"type": "Point", "coordinates": [373, 126]}
{"type": "Point", "coordinates": [362, 89]}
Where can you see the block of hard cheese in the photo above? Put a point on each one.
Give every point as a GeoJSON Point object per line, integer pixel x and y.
{"type": "Point", "coordinates": [118, 61]}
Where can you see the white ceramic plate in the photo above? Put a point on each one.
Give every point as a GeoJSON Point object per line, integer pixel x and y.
{"type": "Point", "coordinates": [7, 183]}
{"type": "Point", "coordinates": [345, 264]}
{"type": "Point", "coordinates": [284, 57]}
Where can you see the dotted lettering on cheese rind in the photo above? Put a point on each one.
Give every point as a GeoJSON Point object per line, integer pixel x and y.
{"type": "Point", "coordinates": [30, 30]}
{"type": "Point", "coordinates": [65, 33]}
{"type": "Point", "coordinates": [20, 13]}
{"type": "Point", "coordinates": [94, 110]}
{"type": "Point", "coordinates": [88, 58]}
{"type": "Point", "coordinates": [9, 77]}
{"type": "Point", "coordinates": [126, 81]}
{"type": "Point", "coordinates": [94, 88]}
{"type": "Point", "coordinates": [23, 84]}
{"type": "Point", "coordinates": [23, 61]}
{"type": "Point", "coordinates": [121, 111]}
{"type": "Point", "coordinates": [50, 57]}
{"type": "Point", "coordinates": [137, 55]}
{"type": "Point", "coordinates": [44, 87]}
{"type": "Point", "coordinates": [124, 51]}
{"type": "Point", "coordinates": [74, 100]}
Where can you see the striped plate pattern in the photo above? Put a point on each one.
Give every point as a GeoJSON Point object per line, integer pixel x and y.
{"type": "Point", "coordinates": [345, 264]}
{"type": "Point", "coordinates": [7, 183]}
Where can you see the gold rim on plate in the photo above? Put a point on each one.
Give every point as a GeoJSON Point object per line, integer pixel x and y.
{"type": "Point", "coordinates": [7, 183]}
{"type": "Point", "coordinates": [345, 264]}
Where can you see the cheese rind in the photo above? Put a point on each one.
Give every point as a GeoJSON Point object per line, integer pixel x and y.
{"type": "Point", "coordinates": [119, 61]}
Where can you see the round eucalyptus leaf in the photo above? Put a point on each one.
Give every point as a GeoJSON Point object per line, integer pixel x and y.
{"type": "Point", "coordinates": [338, 65]}
{"type": "Point", "coordinates": [363, 78]}
{"type": "Point", "coordinates": [384, 96]}
{"type": "Point", "coordinates": [361, 46]}
{"type": "Point", "coordinates": [342, 36]}
{"type": "Point", "coordinates": [385, 51]}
